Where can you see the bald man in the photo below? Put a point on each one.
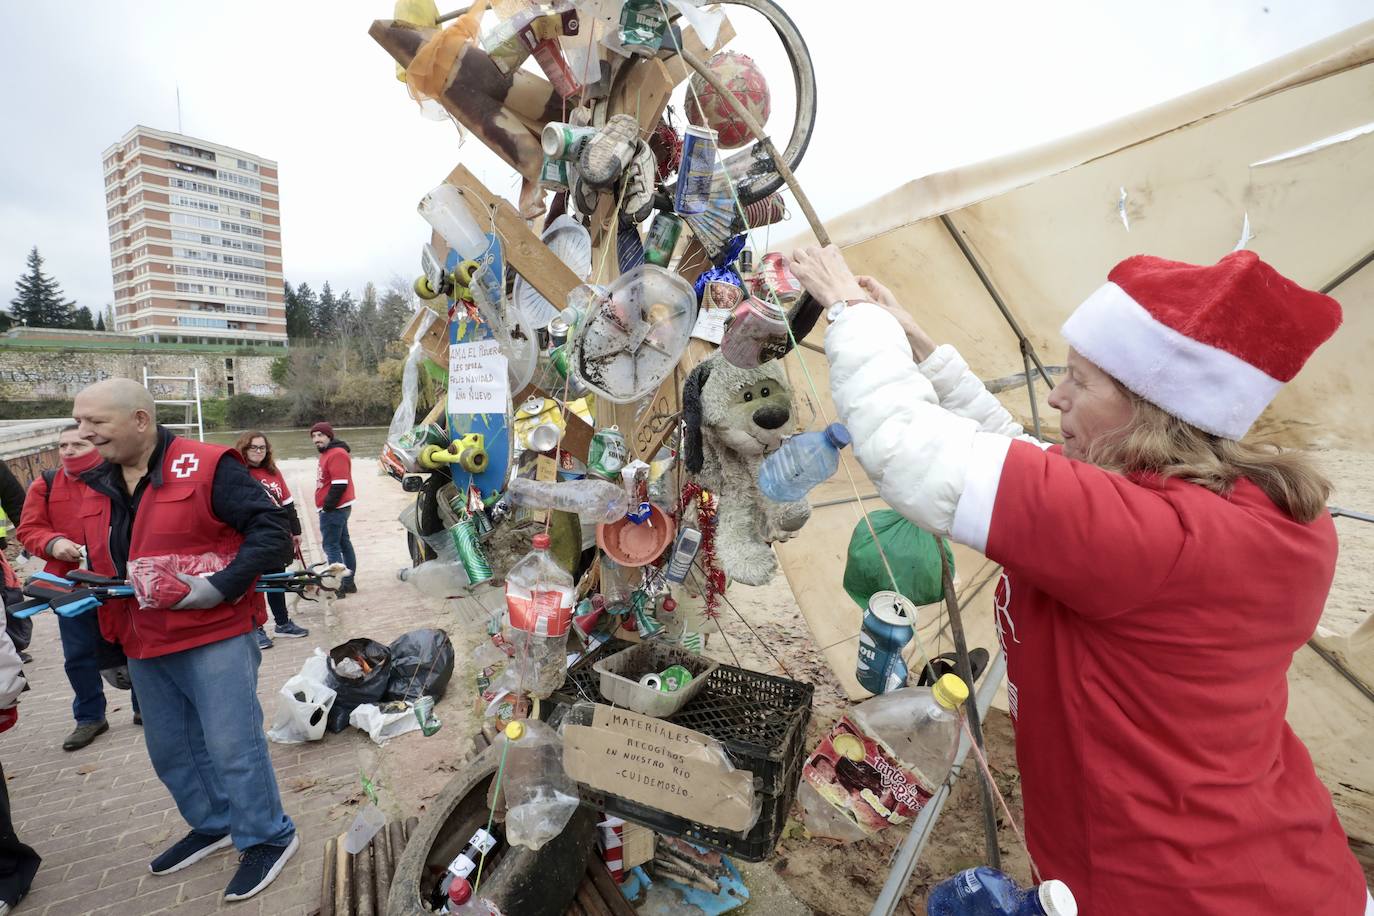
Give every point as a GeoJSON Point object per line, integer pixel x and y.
{"type": "Point", "coordinates": [163, 501]}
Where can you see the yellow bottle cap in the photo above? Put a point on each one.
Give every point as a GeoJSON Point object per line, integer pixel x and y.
{"type": "Point", "coordinates": [950, 691]}
{"type": "Point", "coordinates": [516, 730]}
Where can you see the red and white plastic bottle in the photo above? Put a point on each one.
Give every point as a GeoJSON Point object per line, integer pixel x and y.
{"type": "Point", "coordinates": [539, 606]}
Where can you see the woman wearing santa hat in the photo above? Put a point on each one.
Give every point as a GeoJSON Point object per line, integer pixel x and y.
{"type": "Point", "coordinates": [1159, 574]}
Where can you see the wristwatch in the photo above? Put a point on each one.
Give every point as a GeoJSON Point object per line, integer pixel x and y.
{"type": "Point", "coordinates": [839, 305]}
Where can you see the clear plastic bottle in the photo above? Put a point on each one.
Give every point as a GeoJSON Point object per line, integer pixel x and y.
{"type": "Point", "coordinates": [594, 500]}
{"type": "Point", "coordinates": [540, 796]}
{"type": "Point", "coordinates": [539, 603]}
{"type": "Point", "coordinates": [881, 762]}
{"type": "Point", "coordinates": [985, 891]}
{"type": "Point", "coordinates": [436, 578]}
{"type": "Point", "coordinates": [443, 208]}
{"type": "Point", "coordinates": [804, 461]}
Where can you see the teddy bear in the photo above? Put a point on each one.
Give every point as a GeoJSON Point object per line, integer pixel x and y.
{"type": "Point", "coordinates": [733, 418]}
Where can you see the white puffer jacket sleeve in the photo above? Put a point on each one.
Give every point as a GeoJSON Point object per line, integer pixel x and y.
{"type": "Point", "coordinates": [11, 672]}
{"type": "Point", "coordinates": [961, 392]}
{"type": "Point", "coordinates": [919, 454]}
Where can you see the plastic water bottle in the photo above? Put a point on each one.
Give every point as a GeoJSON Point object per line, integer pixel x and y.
{"type": "Point", "coordinates": [985, 891]}
{"type": "Point", "coordinates": [443, 208]}
{"type": "Point", "coordinates": [539, 605]}
{"type": "Point", "coordinates": [882, 762]}
{"type": "Point", "coordinates": [436, 578]}
{"type": "Point", "coordinates": [593, 500]}
{"type": "Point", "coordinates": [540, 796]}
{"type": "Point", "coordinates": [803, 462]}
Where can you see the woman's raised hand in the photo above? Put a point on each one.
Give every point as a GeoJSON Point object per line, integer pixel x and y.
{"type": "Point", "coordinates": [825, 275]}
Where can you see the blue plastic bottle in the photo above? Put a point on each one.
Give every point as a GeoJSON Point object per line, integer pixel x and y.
{"type": "Point", "coordinates": [984, 891]}
{"type": "Point", "coordinates": [804, 461]}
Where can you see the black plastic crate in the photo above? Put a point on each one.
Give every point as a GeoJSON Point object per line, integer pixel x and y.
{"type": "Point", "coordinates": [759, 719]}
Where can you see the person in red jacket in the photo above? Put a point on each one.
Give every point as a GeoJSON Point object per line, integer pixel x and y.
{"type": "Point", "coordinates": [257, 454]}
{"type": "Point", "coordinates": [162, 505]}
{"type": "Point", "coordinates": [49, 529]}
{"type": "Point", "coordinates": [1159, 574]}
{"type": "Point", "coordinates": [334, 496]}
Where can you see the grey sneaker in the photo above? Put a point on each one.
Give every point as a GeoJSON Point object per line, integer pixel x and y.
{"type": "Point", "coordinates": [83, 735]}
{"type": "Point", "coordinates": [290, 630]}
{"type": "Point", "coordinates": [637, 200]}
{"type": "Point", "coordinates": [583, 196]}
{"type": "Point", "coordinates": [608, 154]}
{"type": "Point", "coordinates": [264, 641]}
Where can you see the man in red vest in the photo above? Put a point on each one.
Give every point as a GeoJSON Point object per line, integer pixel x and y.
{"type": "Point", "coordinates": [165, 503]}
{"type": "Point", "coordinates": [334, 498]}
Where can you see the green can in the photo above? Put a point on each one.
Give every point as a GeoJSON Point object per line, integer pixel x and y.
{"type": "Point", "coordinates": [559, 357]}
{"type": "Point", "coordinates": [607, 453]}
{"type": "Point", "coordinates": [662, 239]}
{"type": "Point", "coordinates": [470, 553]}
{"type": "Point", "coordinates": [553, 176]}
{"type": "Point", "coordinates": [674, 678]}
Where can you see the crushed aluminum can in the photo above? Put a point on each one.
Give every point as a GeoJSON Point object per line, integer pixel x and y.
{"type": "Point", "coordinates": [424, 714]}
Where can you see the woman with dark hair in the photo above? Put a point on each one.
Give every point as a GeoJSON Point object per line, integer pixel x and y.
{"type": "Point", "coordinates": [1159, 573]}
{"type": "Point", "coordinates": [257, 454]}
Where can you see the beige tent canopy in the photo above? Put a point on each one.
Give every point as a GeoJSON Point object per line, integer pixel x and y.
{"type": "Point", "coordinates": [1283, 154]}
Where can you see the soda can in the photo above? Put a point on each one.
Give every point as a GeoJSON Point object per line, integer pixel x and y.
{"type": "Point", "coordinates": [607, 453]}
{"type": "Point", "coordinates": [697, 168]}
{"type": "Point", "coordinates": [662, 239]}
{"type": "Point", "coordinates": [424, 714]}
{"type": "Point", "coordinates": [756, 334]}
{"type": "Point", "coordinates": [564, 141]}
{"type": "Point", "coordinates": [470, 553]}
{"type": "Point", "coordinates": [887, 628]}
{"type": "Point", "coordinates": [553, 176]}
{"type": "Point", "coordinates": [675, 677]}
{"type": "Point", "coordinates": [746, 262]}
{"type": "Point", "coordinates": [544, 437]}
{"type": "Point", "coordinates": [558, 331]}
{"type": "Point", "coordinates": [776, 280]}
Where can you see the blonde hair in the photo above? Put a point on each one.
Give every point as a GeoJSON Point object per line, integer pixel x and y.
{"type": "Point", "coordinates": [1156, 442]}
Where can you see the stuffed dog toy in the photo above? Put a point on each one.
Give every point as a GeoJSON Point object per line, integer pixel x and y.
{"type": "Point", "coordinates": [734, 418]}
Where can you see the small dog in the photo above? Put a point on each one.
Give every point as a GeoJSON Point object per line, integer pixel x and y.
{"type": "Point", "coordinates": [734, 418]}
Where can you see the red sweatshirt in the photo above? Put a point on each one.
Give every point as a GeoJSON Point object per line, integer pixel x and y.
{"type": "Point", "coordinates": [1149, 627]}
{"type": "Point", "coordinates": [52, 514]}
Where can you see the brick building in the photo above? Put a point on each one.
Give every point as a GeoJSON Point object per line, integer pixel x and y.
{"type": "Point", "coordinates": [195, 241]}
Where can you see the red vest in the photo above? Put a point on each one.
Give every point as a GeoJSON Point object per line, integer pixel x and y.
{"type": "Point", "coordinates": [51, 512]}
{"type": "Point", "coordinates": [175, 518]}
{"type": "Point", "coordinates": [336, 466]}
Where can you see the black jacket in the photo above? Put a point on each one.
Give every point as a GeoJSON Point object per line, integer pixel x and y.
{"type": "Point", "coordinates": [11, 495]}
{"type": "Point", "coordinates": [237, 499]}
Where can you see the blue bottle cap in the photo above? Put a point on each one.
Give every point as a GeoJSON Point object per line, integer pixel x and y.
{"type": "Point", "coordinates": [838, 435]}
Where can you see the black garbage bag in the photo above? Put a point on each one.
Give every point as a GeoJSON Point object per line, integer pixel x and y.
{"type": "Point", "coordinates": [421, 665]}
{"type": "Point", "coordinates": [368, 687]}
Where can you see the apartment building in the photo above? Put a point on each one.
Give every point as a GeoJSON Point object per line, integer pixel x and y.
{"type": "Point", "coordinates": [195, 241]}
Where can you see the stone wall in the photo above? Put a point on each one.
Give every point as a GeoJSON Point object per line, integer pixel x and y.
{"type": "Point", "coordinates": [27, 374]}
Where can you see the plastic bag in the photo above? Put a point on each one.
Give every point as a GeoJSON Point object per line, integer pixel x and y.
{"type": "Point", "coordinates": [375, 661]}
{"type": "Point", "coordinates": [154, 579]}
{"type": "Point", "coordinates": [421, 665]}
{"type": "Point", "coordinates": [403, 420]}
{"type": "Point", "coordinates": [911, 552]}
{"type": "Point", "coordinates": [303, 708]}
{"type": "Point", "coordinates": [383, 725]}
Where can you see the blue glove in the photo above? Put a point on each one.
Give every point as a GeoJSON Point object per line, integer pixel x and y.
{"type": "Point", "coordinates": [76, 608]}
{"type": "Point", "coordinates": [201, 595]}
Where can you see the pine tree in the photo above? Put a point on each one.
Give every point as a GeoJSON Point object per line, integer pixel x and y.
{"type": "Point", "coordinates": [305, 312]}
{"type": "Point", "coordinates": [100, 322]}
{"type": "Point", "coordinates": [38, 300]}
{"type": "Point", "coordinates": [397, 306]}
{"type": "Point", "coordinates": [326, 314]}
{"type": "Point", "coordinates": [81, 320]}
{"type": "Point", "coordinates": [297, 313]}
{"type": "Point", "coordinates": [370, 345]}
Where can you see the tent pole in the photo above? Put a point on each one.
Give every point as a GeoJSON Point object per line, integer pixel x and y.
{"type": "Point", "coordinates": [1349, 272]}
{"type": "Point", "coordinates": [1030, 390]}
{"type": "Point", "coordinates": [996, 297]}
{"type": "Point", "coordinates": [904, 861]}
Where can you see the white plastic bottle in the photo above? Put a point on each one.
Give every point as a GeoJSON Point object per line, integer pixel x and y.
{"type": "Point", "coordinates": [443, 208]}
{"type": "Point", "coordinates": [539, 603]}
{"type": "Point", "coordinates": [591, 499]}
{"type": "Point", "coordinates": [881, 762]}
{"type": "Point", "coordinates": [436, 578]}
{"type": "Point", "coordinates": [540, 796]}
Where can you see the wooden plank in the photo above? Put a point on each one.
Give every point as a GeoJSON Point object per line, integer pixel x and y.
{"type": "Point", "coordinates": [524, 252]}
{"type": "Point", "coordinates": [607, 888]}
{"type": "Point", "coordinates": [343, 880]}
{"type": "Point", "coordinates": [362, 882]}
{"type": "Point", "coordinates": [383, 866]}
{"type": "Point", "coordinates": [331, 864]}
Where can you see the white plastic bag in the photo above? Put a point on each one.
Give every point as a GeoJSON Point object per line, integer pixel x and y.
{"type": "Point", "coordinates": [303, 706]}
{"type": "Point", "coordinates": [380, 726]}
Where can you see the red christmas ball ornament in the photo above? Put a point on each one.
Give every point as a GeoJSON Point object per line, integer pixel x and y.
{"type": "Point", "coordinates": [745, 81]}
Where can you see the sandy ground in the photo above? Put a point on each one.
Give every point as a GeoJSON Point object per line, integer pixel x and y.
{"type": "Point", "coordinates": [762, 629]}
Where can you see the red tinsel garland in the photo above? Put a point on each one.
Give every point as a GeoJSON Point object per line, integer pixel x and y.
{"type": "Point", "coordinates": [706, 522]}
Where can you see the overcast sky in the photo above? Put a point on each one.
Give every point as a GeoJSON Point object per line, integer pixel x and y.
{"type": "Point", "coordinates": [906, 88]}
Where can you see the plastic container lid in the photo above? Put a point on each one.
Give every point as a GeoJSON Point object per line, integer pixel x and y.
{"type": "Point", "coordinates": [516, 730]}
{"type": "Point", "coordinates": [541, 541]}
{"type": "Point", "coordinates": [460, 891]}
{"type": "Point", "coordinates": [838, 434]}
{"type": "Point", "coordinates": [950, 692]}
{"type": "Point", "coordinates": [1055, 897]}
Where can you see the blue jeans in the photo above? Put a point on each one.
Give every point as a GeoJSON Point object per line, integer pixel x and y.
{"type": "Point", "coordinates": [80, 640]}
{"type": "Point", "coordinates": [203, 727]}
{"type": "Point", "coordinates": [277, 602]}
{"type": "Point", "coordinates": [338, 547]}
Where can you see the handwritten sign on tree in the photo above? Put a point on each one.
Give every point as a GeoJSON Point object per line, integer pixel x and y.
{"type": "Point", "coordinates": [476, 378]}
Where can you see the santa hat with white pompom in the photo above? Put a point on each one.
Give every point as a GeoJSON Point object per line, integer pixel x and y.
{"type": "Point", "coordinates": [1211, 345]}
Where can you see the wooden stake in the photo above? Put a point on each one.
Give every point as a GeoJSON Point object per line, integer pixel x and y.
{"type": "Point", "coordinates": [362, 882]}
{"type": "Point", "coordinates": [343, 881]}
{"type": "Point", "coordinates": [331, 863]}
{"type": "Point", "coordinates": [382, 867]}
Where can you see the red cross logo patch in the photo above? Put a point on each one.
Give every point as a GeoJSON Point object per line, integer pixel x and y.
{"type": "Point", "coordinates": [185, 465]}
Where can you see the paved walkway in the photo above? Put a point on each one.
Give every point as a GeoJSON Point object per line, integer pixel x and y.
{"type": "Point", "coordinates": [98, 815]}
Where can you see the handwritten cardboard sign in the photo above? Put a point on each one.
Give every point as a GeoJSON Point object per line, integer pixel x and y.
{"type": "Point", "coordinates": [476, 378]}
{"type": "Point", "coordinates": [664, 766]}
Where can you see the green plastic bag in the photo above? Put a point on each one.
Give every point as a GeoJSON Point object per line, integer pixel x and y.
{"type": "Point", "coordinates": [912, 553]}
